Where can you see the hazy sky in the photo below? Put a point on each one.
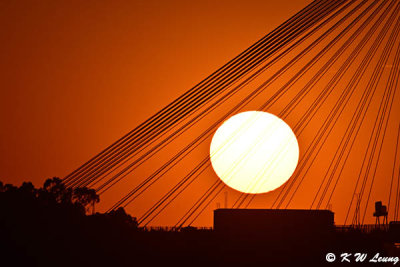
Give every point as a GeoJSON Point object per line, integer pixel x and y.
{"type": "Point", "coordinates": [77, 75]}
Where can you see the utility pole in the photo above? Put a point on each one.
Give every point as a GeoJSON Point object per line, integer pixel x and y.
{"type": "Point", "coordinates": [357, 212]}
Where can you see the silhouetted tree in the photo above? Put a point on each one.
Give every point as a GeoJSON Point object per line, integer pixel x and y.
{"type": "Point", "coordinates": [85, 197]}
{"type": "Point", "coordinates": [54, 188]}
{"type": "Point", "coordinates": [27, 188]}
{"type": "Point", "coordinates": [10, 188]}
{"type": "Point", "coordinates": [120, 216]}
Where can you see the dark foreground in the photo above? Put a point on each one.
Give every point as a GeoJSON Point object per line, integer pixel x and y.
{"type": "Point", "coordinates": [49, 227]}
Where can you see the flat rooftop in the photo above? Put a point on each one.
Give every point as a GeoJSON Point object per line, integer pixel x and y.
{"type": "Point", "coordinates": [272, 220]}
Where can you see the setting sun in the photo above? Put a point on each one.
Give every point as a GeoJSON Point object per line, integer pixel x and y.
{"type": "Point", "coordinates": [254, 152]}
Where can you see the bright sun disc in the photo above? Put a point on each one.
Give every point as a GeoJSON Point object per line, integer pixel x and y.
{"type": "Point", "coordinates": [254, 152]}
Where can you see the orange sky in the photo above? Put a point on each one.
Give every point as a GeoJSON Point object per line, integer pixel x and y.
{"type": "Point", "coordinates": [77, 75]}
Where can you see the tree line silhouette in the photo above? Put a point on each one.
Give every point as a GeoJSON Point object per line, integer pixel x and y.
{"type": "Point", "coordinates": [55, 226]}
